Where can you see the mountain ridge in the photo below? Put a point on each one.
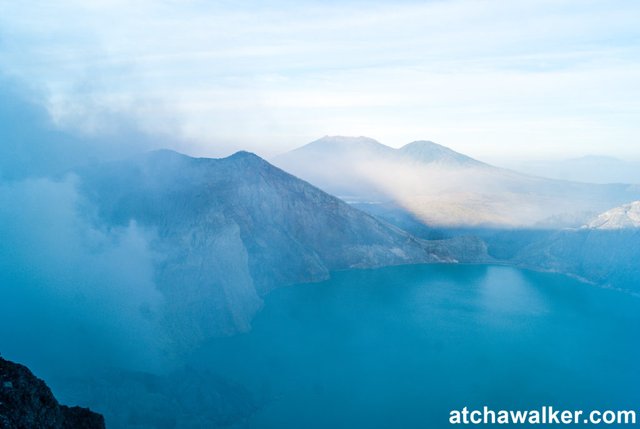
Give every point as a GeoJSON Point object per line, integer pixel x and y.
{"type": "Point", "coordinates": [428, 151]}
{"type": "Point", "coordinates": [419, 150]}
{"type": "Point", "coordinates": [444, 188]}
{"type": "Point", "coordinates": [232, 229]}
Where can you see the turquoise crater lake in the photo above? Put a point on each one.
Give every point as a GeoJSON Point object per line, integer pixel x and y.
{"type": "Point", "coordinates": [402, 346]}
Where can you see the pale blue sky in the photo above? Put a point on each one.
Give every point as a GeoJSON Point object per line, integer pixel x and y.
{"type": "Point", "coordinates": [512, 79]}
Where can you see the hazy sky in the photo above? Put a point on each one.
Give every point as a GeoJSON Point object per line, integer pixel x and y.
{"type": "Point", "coordinates": [488, 78]}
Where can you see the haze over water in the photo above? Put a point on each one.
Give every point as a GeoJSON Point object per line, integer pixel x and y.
{"type": "Point", "coordinates": [402, 346]}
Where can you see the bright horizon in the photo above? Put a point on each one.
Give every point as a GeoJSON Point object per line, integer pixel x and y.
{"type": "Point", "coordinates": [493, 80]}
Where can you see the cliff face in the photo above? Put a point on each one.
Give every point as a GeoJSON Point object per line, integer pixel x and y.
{"type": "Point", "coordinates": [606, 258]}
{"type": "Point", "coordinates": [26, 403]}
{"type": "Point", "coordinates": [605, 251]}
{"type": "Point", "coordinates": [230, 230]}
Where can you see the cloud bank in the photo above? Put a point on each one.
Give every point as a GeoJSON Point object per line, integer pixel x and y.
{"type": "Point", "coordinates": [487, 78]}
{"type": "Point", "coordinates": [74, 294]}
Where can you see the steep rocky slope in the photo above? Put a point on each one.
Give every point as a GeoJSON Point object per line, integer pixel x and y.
{"type": "Point", "coordinates": [605, 251]}
{"type": "Point", "coordinates": [230, 230]}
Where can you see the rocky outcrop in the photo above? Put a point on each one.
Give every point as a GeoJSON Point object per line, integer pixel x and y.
{"type": "Point", "coordinates": [623, 217]}
{"type": "Point", "coordinates": [604, 257]}
{"type": "Point", "coordinates": [27, 403]}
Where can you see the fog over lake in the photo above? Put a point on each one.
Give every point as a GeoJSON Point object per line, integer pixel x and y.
{"type": "Point", "coordinates": [402, 346]}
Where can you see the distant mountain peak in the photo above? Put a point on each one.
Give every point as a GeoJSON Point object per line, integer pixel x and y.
{"type": "Point", "coordinates": [343, 144]}
{"type": "Point", "coordinates": [625, 216]}
{"type": "Point", "coordinates": [421, 151]}
{"type": "Point", "coordinates": [428, 151]}
{"type": "Point", "coordinates": [346, 140]}
{"type": "Point", "coordinates": [249, 158]}
{"type": "Point", "coordinates": [167, 157]}
{"type": "Point", "coordinates": [243, 154]}
{"type": "Point", "coordinates": [420, 144]}
{"type": "Point", "coordinates": [172, 154]}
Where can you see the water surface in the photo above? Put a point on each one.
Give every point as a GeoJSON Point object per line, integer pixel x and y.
{"type": "Point", "coordinates": [402, 346]}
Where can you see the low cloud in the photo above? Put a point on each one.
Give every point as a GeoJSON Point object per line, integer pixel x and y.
{"type": "Point", "coordinates": [74, 293]}
{"type": "Point", "coordinates": [35, 145]}
{"type": "Point", "coordinates": [527, 78]}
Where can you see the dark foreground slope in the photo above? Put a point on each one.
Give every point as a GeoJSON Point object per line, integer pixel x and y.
{"type": "Point", "coordinates": [230, 230]}
{"type": "Point", "coordinates": [27, 402]}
